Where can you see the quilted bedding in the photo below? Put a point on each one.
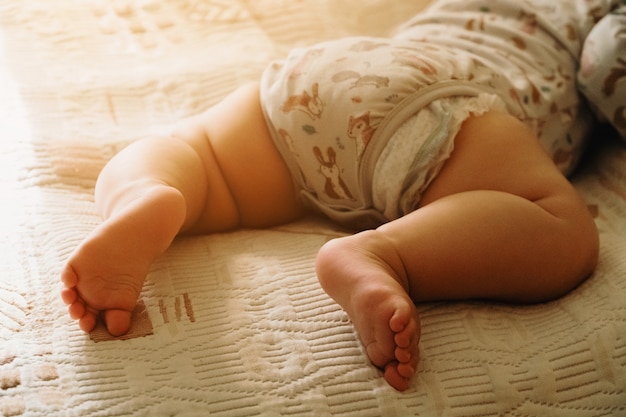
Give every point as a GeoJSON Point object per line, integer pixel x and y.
{"type": "Point", "coordinates": [236, 324]}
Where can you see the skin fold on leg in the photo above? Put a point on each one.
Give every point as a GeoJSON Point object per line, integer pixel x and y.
{"type": "Point", "coordinates": [216, 172]}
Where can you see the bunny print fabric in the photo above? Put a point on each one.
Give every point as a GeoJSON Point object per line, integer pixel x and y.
{"type": "Point", "coordinates": [334, 108]}
{"type": "Point", "coordinates": [602, 76]}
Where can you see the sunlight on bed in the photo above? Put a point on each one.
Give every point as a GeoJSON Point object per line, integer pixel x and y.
{"type": "Point", "coordinates": [15, 134]}
{"type": "Point", "coordinates": [240, 324]}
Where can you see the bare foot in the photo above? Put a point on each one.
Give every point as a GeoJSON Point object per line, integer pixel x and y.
{"type": "Point", "coordinates": [105, 274]}
{"type": "Point", "coordinates": [365, 276]}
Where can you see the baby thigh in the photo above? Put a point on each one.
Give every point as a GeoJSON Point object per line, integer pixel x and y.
{"type": "Point", "coordinates": [244, 165]}
{"type": "Point", "coordinates": [499, 222]}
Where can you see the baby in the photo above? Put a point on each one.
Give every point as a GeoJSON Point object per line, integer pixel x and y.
{"type": "Point", "coordinates": [445, 145]}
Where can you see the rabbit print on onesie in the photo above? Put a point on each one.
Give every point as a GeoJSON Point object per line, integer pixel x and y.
{"type": "Point", "coordinates": [335, 110]}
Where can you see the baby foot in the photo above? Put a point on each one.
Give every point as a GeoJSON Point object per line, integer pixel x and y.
{"type": "Point", "coordinates": [352, 271]}
{"type": "Point", "coordinates": [105, 274]}
{"type": "Point", "coordinates": [100, 278]}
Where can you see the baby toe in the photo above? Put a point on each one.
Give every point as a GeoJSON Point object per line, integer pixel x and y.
{"type": "Point", "coordinates": [408, 336]}
{"type": "Point", "coordinates": [406, 370]}
{"type": "Point", "coordinates": [403, 355]}
{"type": "Point", "coordinates": [394, 378]}
{"type": "Point", "coordinates": [69, 295]}
{"type": "Point", "coordinates": [401, 317]}
{"type": "Point", "coordinates": [87, 322]}
{"type": "Point", "coordinates": [117, 321]}
{"type": "Point", "coordinates": [76, 310]}
{"type": "Point", "coordinates": [68, 277]}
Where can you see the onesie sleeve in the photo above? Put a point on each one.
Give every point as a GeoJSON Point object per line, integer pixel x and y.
{"type": "Point", "coordinates": [602, 73]}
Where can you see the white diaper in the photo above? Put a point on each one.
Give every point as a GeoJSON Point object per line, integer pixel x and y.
{"type": "Point", "coordinates": [420, 148]}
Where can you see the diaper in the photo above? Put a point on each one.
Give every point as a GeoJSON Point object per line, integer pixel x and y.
{"type": "Point", "coordinates": [332, 110]}
{"type": "Point", "coordinates": [416, 153]}
{"type": "Point", "coordinates": [364, 124]}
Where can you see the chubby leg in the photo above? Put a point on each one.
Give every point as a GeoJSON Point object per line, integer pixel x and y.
{"type": "Point", "coordinates": [499, 222]}
{"type": "Point", "coordinates": [204, 178]}
{"type": "Point", "coordinates": [105, 273]}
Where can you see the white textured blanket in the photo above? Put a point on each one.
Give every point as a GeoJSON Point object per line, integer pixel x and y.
{"type": "Point", "coordinates": [236, 324]}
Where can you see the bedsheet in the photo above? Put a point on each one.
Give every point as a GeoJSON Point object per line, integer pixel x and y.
{"type": "Point", "coordinates": [236, 324]}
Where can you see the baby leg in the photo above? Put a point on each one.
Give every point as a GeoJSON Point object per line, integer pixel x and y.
{"type": "Point", "coordinates": [144, 209]}
{"type": "Point", "coordinates": [499, 222]}
{"type": "Point", "coordinates": [205, 178]}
